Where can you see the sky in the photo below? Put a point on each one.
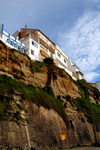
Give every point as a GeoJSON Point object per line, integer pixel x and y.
{"type": "Point", "coordinates": [74, 25]}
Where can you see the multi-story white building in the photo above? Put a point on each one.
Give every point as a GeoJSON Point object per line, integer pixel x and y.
{"type": "Point", "coordinates": [38, 46]}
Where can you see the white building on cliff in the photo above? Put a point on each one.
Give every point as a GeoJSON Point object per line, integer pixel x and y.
{"type": "Point", "coordinates": [38, 47]}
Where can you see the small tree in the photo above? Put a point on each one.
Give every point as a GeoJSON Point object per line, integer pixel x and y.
{"type": "Point", "coordinates": [48, 61]}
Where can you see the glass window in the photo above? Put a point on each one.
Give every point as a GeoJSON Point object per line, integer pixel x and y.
{"type": "Point", "coordinates": [64, 60]}
{"type": "Point", "coordinates": [32, 42]}
{"type": "Point", "coordinates": [58, 55]}
{"type": "Point", "coordinates": [36, 45]}
{"type": "Point", "coordinates": [32, 52]}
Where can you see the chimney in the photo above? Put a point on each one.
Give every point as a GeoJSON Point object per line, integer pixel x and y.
{"type": "Point", "coordinates": [25, 26]}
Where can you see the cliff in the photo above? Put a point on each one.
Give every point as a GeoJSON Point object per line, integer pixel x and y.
{"type": "Point", "coordinates": [31, 115]}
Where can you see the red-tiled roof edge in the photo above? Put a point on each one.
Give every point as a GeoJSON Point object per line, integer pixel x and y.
{"type": "Point", "coordinates": [90, 83]}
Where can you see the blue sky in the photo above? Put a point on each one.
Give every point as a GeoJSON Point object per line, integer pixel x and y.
{"type": "Point", "coordinates": [73, 24]}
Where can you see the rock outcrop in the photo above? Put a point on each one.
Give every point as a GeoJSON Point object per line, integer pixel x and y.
{"type": "Point", "coordinates": [45, 126]}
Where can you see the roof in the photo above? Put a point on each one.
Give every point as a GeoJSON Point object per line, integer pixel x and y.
{"type": "Point", "coordinates": [40, 32]}
{"type": "Point", "coordinates": [90, 83]}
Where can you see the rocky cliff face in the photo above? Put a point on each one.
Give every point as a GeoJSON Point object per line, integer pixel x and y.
{"type": "Point", "coordinates": [45, 126]}
{"type": "Point", "coordinates": [45, 129]}
{"type": "Point", "coordinates": [17, 65]}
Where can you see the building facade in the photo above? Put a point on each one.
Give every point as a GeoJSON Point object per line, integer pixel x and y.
{"type": "Point", "coordinates": [38, 46]}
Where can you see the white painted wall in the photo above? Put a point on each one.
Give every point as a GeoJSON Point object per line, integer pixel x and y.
{"type": "Point", "coordinates": [97, 85]}
{"type": "Point", "coordinates": [5, 36]}
{"type": "Point", "coordinates": [61, 58]}
{"type": "Point", "coordinates": [29, 46]}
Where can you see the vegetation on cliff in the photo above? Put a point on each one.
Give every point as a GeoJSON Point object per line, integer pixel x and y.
{"type": "Point", "coordinates": [41, 97]}
{"type": "Point", "coordinates": [83, 102]}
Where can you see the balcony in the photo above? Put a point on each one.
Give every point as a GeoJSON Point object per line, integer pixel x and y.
{"type": "Point", "coordinates": [44, 43]}
{"type": "Point", "coordinates": [43, 53]}
{"type": "Point", "coordinates": [52, 50]}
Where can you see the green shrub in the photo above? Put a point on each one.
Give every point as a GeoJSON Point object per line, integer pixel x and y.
{"type": "Point", "coordinates": [49, 90]}
{"type": "Point", "coordinates": [83, 106]}
{"type": "Point", "coordinates": [35, 66]}
{"type": "Point", "coordinates": [84, 87]}
{"type": "Point", "coordinates": [48, 61]}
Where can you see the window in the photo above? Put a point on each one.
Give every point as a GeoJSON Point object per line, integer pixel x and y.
{"type": "Point", "coordinates": [64, 60]}
{"type": "Point", "coordinates": [32, 42]}
{"type": "Point", "coordinates": [58, 55]}
{"type": "Point", "coordinates": [32, 52]}
{"type": "Point", "coordinates": [35, 44]}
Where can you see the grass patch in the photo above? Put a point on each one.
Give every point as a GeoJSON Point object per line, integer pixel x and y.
{"type": "Point", "coordinates": [35, 66]}
{"type": "Point", "coordinates": [83, 106]}
{"type": "Point", "coordinates": [8, 111]}
{"type": "Point", "coordinates": [41, 97]}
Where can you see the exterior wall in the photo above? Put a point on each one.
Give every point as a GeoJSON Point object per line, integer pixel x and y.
{"type": "Point", "coordinates": [47, 49]}
{"type": "Point", "coordinates": [60, 55]}
{"type": "Point", "coordinates": [63, 64]}
{"type": "Point", "coordinates": [33, 50]}
{"type": "Point", "coordinates": [97, 85]}
{"type": "Point", "coordinates": [46, 46]}
{"type": "Point", "coordinates": [80, 76]}
{"type": "Point", "coordinates": [70, 65]}
{"type": "Point", "coordinates": [11, 41]}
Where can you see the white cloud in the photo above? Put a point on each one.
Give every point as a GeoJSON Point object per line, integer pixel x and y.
{"type": "Point", "coordinates": [82, 43]}
{"type": "Point", "coordinates": [91, 75]}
